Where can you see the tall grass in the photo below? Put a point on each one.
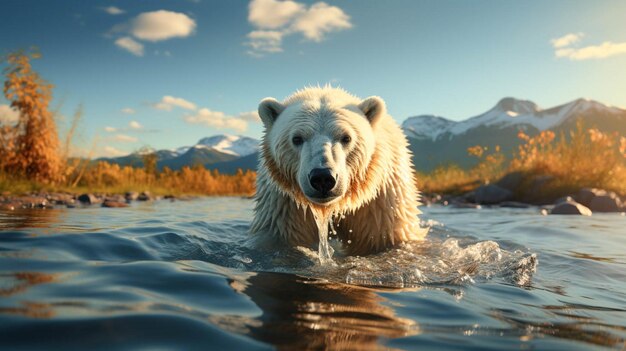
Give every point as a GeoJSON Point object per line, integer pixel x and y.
{"type": "Point", "coordinates": [452, 179]}
{"type": "Point", "coordinates": [585, 157]}
{"type": "Point", "coordinates": [112, 178]}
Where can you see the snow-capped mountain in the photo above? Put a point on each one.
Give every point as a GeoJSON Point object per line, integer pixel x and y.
{"type": "Point", "coordinates": [236, 145]}
{"type": "Point", "coordinates": [217, 149]}
{"type": "Point", "coordinates": [437, 140]}
{"type": "Point", "coordinates": [506, 113]}
{"type": "Point", "coordinates": [426, 126]}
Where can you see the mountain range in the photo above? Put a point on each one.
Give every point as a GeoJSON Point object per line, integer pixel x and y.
{"type": "Point", "coordinates": [434, 140]}
{"type": "Point", "coordinates": [224, 152]}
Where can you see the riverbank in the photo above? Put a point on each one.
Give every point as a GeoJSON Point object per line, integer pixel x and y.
{"type": "Point", "coordinates": [520, 190]}
{"type": "Point", "coordinates": [45, 200]}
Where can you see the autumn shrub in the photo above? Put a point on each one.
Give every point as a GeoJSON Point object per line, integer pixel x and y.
{"type": "Point", "coordinates": [586, 157]}
{"type": "Point", "coordinates": [112, 178]}
{"type": "Point", "coordinates": [31, 147]}
{"type": "Point", "coordinates": [453, 179]}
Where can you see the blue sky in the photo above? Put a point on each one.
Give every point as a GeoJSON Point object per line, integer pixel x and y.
{"type": "Point", "coordinates": [167, 73]}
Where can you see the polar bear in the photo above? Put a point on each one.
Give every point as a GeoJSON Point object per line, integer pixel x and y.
{"type": "Point", "coordinates": [325, 149]}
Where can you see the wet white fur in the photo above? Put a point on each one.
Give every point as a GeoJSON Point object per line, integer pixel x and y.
{"type": "Point", "coordinates": [378, 206]}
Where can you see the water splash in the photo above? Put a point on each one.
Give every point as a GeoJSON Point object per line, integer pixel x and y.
{"type": "Point", "coordinates": [323, 218]}
{"type": "Point", "coordinates": [436, 261]}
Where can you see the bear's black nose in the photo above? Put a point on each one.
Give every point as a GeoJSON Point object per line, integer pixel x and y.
{"type": "Point", "coordinates": [322, 180]}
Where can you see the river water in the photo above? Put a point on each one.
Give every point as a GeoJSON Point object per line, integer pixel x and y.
{"type": "Point", "coordinates": [184, 276]}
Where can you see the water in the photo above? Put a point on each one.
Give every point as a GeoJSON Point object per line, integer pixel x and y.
{"type": "Point", "coordinates": [183, 276]}
{"type": "Point", "coordinates": [323, 220]}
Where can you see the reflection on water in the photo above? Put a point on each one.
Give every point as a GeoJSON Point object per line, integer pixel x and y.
{"type": "Point", "coordinates": [301, 313]}
{"type": "Point", "coordinates": [20, 281]}
{"type": "Point", "coordinates": [43, 218]}
{"type": "Point", "coordinates": [158, 276]}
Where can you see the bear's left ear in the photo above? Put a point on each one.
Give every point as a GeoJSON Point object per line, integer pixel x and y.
{"type": "Point", "coordinates": [373, 108]}
{"type": "Point", "coordinates": [269, 109]}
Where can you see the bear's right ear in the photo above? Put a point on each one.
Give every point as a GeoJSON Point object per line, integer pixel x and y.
{"type": "Point", "coordinates": [269, 109]}
{"type": "Point", "coordinates": [373, 108]}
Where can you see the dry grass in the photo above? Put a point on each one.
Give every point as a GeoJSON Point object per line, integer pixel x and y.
{"type": "Point", "coordinates": [112, 179]}
{"type": "Point", "coordinates": [107, 177]}
{"type": "Point", "coordinates": [452, 179]}
{"type": "Point", "coordinates": [584, 158]}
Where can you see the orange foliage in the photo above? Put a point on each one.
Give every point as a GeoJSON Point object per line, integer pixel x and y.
{"type": "Point", "coordinates": [588, 157]}
{"type": "Point", "coordinates": [197, 180]}
{"type": "Point", "coordinates": [30, 148]}
{"type": "Point", "coordinates": [585, 158]}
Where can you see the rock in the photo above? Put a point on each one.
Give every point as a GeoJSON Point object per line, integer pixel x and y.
{"type": "Point", "coordinates": [571, 208]}
{"type": "Point", "coordinates": [470, 196]}
{"type": "Point", "coordinates": [428, 199]}
{"type": "Point", "coordinates": [537, 183]}
{"type": "Point", "coordinates": [114, 204]}
{"type": "Point", "coordinates": [466, 205]}
{"type": "Point", "coordinates": [609, 202]}
{"type": "Point", "coordinates": [131, 195]}
{"type": "Point", "coordinates": [536, 190]}
{"type": "Point", "coordinates": [115, 198]}
{"type": "Point", "coordinates": [88, 199]}
{"type": "Point", "coordinates": [61, 199]}
{"type": "Point", "coordinates": [144, 196]}
{"type": "Point", "coordinates": [563, 199]}
{"type": "Point", "coordinates": [511, 181]}
{"type": "Point", "coordinates": [514, 204]}
{"type": "Point", "coordinates": [33, 201]}
{"type": "Point", "coordinates": [585, 195]}
{"type": "Point", "coordinates": [492, 194]}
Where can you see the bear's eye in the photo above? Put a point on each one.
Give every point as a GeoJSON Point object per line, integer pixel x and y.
{"type": "Point", "coordinates": [346, 139]}
{"type": "Point", "coordinates": [297, 140]}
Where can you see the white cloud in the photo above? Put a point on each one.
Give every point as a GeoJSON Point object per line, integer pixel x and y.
{"type": "Point", "coordinates": [566, 40]}
{"type": "Point", "coordinates": [110, 151]}
{"type": "Point", "coordinates": [110, 129]}
{"type": "Point", "coordinates": [162, 25]}
{"type": "Point", "coordinates": [8, 115]}
{"type": "Point", "coordinates": [135, 125]}
{"type": "Point", "coordinates": [272, 14]}
{"type": "Point", "coordinates": [128, 111]}
{"type": "Point", "coordinates": [130, 45]}
{"type": "Point", "coordinates": [252, 116]}
{"type": "Point", "coordinates": [219, 120]}
{"type": "Point", "coordinates": [320, 19]}
{"type": "Point", "coordinates": [274, 20]}
{"type": "Point", "coordinates": [601, 51]}
{"type": "Point", "coordinates": [125, 138]}
{"type": "Point", "coordinates": [112, 10]}
{"type": "Point", "coordinates": [265, 41]}
{"type": "Point", "coordinates": [168, 103]}
{"type": "Point", "coordinates": [565, 47]}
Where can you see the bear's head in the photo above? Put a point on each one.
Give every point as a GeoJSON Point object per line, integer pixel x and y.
{"type": "Point", "coordinates": [318, 144]}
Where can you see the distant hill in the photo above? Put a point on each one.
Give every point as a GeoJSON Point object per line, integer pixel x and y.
{"type": "Point", "coordinates": [245, 163]}
{"type": "Point", "coordinates": [208, 151]}
{"type": "Point", "coordinates": [436, 140]}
